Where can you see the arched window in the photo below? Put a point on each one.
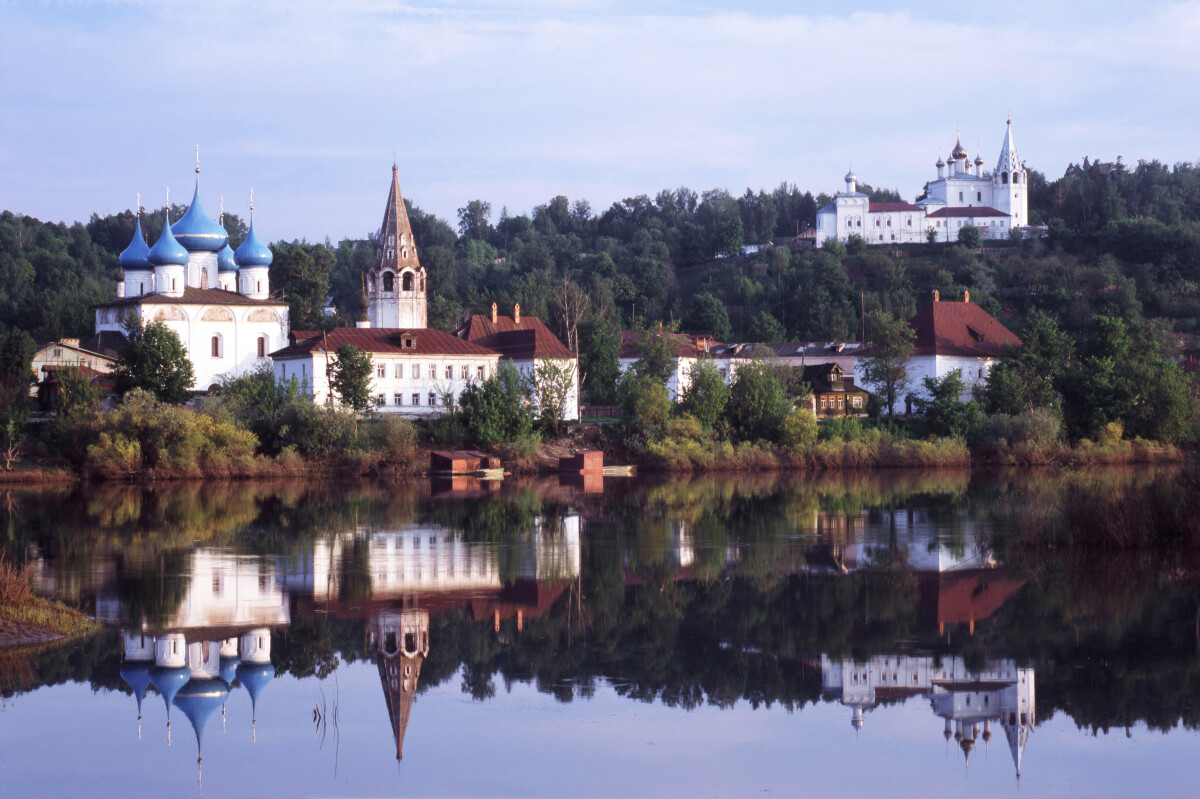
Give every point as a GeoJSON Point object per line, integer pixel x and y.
{"type": "Point", "coordinates": [262, 346]}
{"type": "Point", "coordinates": [1004, 177]}
{"type": "Point", "coordinates": [407, 281]}
{"type": "Point", "coordinates": [389, 281]}
{"type": "Point", "coordinates": [204, 278]}
{"type": "Point", "coordinates": [260, 287]}
{"type": "Point", "coordinates": [216, 346]}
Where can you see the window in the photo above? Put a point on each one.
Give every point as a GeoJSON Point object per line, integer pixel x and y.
{"type": "Point", "coordinates": [960, 196]}
{"type": "Point", "coordinates": [389, 281]}
{"type": "Point", "coordinates": [259, 284]}
{"type": "Point", "coordinates": [262, 346]}
{"type": "Point", "coordinates": [416, 398]}
{"type": "Point", "coordinates": [399, 372]}
{"type": "Point", "coordinates": [406, 281]}
{"type": "Point", "coordinates": [465, 372]}
{"type": "Point", "coordinates": [381, 370]}
{"type": "Point", "coordinates": [481, 372]}
{"type": "Point", "coordinates": [58, 352]}
{"type": "Point", "coordinates": [216, 346]}
{"type": "Point", "coordinates": [824, 403]}
{"type": "Point", "coordinates": [876, 223]}
{"type": "Point", "coordinates": [889, 224]}
{"type": "Point", "coordinates": [203, 278]}
{"type": "Point", "coordinates": [449, 372]}
{"type": "Point", "coordinates": [979, 196]}
{"type": "Point", "coordinates": [432, 371]}
{"type": "Point", "coordinates": [416, 371]}
{"type": "Point", "coordinates": [141, 288]}
{"type": "Point", "coordinates": [841, 403]}
{"type": "Point", "coordinates": [432, 399]}
{"type": "Point", "coordinates": [397, 399]}
{"type": "Point", "coordinates": [381, 399]}
{"type": "Point", "coordinates": [1004, 177]}
{"type": "Point", "coordinates": [172, 284]}
{"type": "Point", "coordinates": [856, 402]}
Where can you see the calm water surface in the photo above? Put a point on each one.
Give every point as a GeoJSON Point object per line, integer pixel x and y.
{"type": "Point", "coordinates": [899, 634]}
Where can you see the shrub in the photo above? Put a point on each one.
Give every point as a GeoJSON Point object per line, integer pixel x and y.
{"type": "Point", "coordinates": [16, 582]}
{"type": "Point", "coordinates": [798, 430]}
{"type": "Point", "coordinates": [397, 438]}
{"type": "Point", "coordinates": [115, 456]}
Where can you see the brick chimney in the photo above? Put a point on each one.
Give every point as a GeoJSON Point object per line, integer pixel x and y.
{"type": "Point", "coordinates": [936, 295]}
{"type": "Point", "coordinates": [517, 313]}
{"type": "Point", "coordinates": [495, 316]}
{"type": "Point", "coordinates": [966, 296]}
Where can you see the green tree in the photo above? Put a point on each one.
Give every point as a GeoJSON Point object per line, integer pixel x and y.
{"type": "Point", "coordinates": [350, 378]}
{"type": "Point", "coordinates": [77, 392]}
{"type": "Point", "coordinates": [301, 271]}
{"type": "Point", "coordinates": [765, 327]}
{"type": "Point", "coordinates": [554, 383]}
{"type": "Point", "coordinates": [153, 359]}
{"type": "Point", "coordinates": [730, 236]}
{"type": "Point", "coordinates": [657, 352]}
{"type": "Point", "coordinates": [758, 402]}
{"type": "Point", "coordinates": [885, 363]}
{"type": "Point", "coordinates": [599, 358]}
{"type": "Point", "coordinates": [14, 409]}
{"type": "Point", "coordinates": [1026, 378]}
{"type": "Point", "coordinates": [473, 220]}
{"type": "Point", "coordinates": [945, 414]}
{"type": "Point", "coordinates": [706, 395]}
{"type": "Point", "coordinates": [970, 237]}
{"type": "Point", "coordinates": [707, 315]}
{"type": "Point", "coordinates": [647, 407]}
{"type": "Point", "coordinates": [498, 410]}
{"type": "Point", "coordinates": [17, 349]}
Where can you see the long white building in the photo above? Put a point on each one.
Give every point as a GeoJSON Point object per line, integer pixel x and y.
{"type": "Point", "coordinates": [962, 194]}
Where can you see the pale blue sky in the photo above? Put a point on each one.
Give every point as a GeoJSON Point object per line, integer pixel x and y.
{"type": "Point", "coordinates": [305, 101]}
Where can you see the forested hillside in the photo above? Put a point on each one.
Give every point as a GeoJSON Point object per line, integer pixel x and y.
{"type": "Point", "coordinates": [1121, 242]}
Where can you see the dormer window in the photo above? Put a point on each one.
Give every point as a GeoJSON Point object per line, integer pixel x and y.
{"type": "Point", "coordinates": [975, 334]}
{"type": "Point", "coordinates": [408, 342]}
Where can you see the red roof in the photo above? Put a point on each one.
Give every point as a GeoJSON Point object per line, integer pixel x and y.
{"type": "Point", "coordinates": [959, 328]}
{"type": "Point", "coordinates": [975, 211]}
{"type": "Point", "coordinates": [875, 208]}
{"type": "Point", "coordinates": [524, 340]}
{"type": "Point", "coordinates": [687, 345]}
{"type": "Point", "coordinates": [427, 341]}
{"type": "Point", "coordinates": [193, 296]}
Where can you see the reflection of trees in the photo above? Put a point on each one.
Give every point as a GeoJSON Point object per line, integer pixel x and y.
{"type": "Point", "coordinates": [151, 588]}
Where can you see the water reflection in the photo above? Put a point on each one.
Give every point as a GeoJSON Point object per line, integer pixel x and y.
{"type": "Point", "coordinates": [769, 591]}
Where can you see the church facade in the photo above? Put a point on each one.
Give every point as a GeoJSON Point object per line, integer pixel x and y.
{"type": "Point", "coordinates": [217, 301]}
{"type": "Point", "coordinates": [962, 194]}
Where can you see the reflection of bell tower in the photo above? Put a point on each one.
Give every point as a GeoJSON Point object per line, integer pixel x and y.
{"type": "Point", "coordinates": [399, 642]}
{"type": "Point", "coordinates": [396, 283]}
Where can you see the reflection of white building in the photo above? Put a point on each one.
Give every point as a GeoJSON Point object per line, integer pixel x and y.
{"type": "Point", "coordinates": [969, 701]}
{"type": "Point", "coordinates": [431, 559]}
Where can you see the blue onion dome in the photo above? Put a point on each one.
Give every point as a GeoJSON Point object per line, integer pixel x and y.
{"type": "Point", "coordinates": [137, 254]}
{"type": "Point", "coordinates": [229, 669]}
{"type": "Point", "coordinates": [253, 252]}
{"type": "Point", "coordinates": [167, 251]}
{"type": "Point", "coordinates": [198, 700]}
{"type": "Point", "coordinates": [197, 231]}
{"type": "Point", "coordinates": [136, 675]}
{"type": "Point", "coordinates": [226, 261]}
{"type": "Point", "coordinates": [255, 678]}
{"type": "Point", "coordinates": [168, 681]}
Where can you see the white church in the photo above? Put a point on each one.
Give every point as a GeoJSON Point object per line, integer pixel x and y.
{"type": "Point", "coordinates": [961, 195]}
{"type": "Point", "coordinates": [217, 300]}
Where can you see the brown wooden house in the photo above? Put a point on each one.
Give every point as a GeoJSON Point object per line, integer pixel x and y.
{"type": "Point", "coordinates": [833, 392]}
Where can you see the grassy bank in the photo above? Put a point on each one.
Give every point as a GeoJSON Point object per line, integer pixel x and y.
{"type": "Point", "coordinates": [26, 619]}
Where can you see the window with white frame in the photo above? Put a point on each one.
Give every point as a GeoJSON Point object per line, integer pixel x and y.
{"type": "Point", "coordinates": [449, 372]}
{"type": "Point", "coordinates": [399, 372]}
{"type": "Point", "coordinates": [465, 372]}
{"type": "Point", "coordinates": [397, 399]}
{"type": "Point", "coordinates": [432, 399]}
{"type": "Point", "coordinates": [381, 370]}
{"type": "Point", "coordinates": [416, 398]}
{"type": "Point", "coordinates": [481, 372]}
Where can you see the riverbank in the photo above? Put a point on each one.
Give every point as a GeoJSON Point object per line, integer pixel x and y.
{"type": "Point", "coordinates": [29, 620]}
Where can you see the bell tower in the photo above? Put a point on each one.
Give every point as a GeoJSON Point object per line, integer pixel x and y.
{"type": "Point", "coordinates": [399, 642]}
{"type": "Point", "coordinates": [396, 283]}
{"type": "Point", "coordinates": [1010, 182]}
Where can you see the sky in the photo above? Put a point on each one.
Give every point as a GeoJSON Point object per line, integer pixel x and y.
{"type": "Point", "coordinates": [307, 102]}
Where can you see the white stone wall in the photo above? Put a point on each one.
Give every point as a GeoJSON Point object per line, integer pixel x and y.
{"type": "Point", "coordinates": [678, 380]}
{"type": "Point", "coordinates": [196, 325]}
{"type": "Point", "coordinates": [310, 371]}
{"type": "Point", "coordinates": [528, 369]}
{"type": "Point", "coordinates": [974, 372]}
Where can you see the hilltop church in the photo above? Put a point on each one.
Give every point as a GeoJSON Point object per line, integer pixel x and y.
{"type": "Point", "coordinates": [961, 195]}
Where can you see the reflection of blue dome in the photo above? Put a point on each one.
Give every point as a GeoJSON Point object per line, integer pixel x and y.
{"type": "Point", "coordinates": [197, 231]}
{"type": "Point", "coordinates": [229, 669]}
{"type": "Point", "coordinates": [137, 254]}
{"type": "Point", "coordinates": [198, 700]}
{"type": "Point", "coordinates": [167, 251]}
{"type": "Point", "coordinates": [137, 676]}
{"type": "Point", "coordinates": [255, 677]}
{"type": "Point", "coordinates": [253, 252]}
{"type": "Point", "coordinates": [225, 260]}
{"type": "Point", "coordinates": [168, 682]}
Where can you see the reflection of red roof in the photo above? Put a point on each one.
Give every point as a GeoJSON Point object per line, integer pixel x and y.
{"type": "Point", "coordinates": [961, 597]}
{"type": "Point", "coordinates": [960, 328]}
{"type": "Point", "coordinates": [524, 340]}
{"type": "Point", "coordinates": [426, 341]}
{"type": "Point", "coordinates": [897, 692]}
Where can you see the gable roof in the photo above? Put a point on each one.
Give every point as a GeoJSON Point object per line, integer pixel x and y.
{"type": "Point", "coordinates": [379, 340]}
{"type": "Point", "coordinates": [193, 296]}
{"type": "Point", "coordinates": [524, 340]}
{"type": "Point", "coordinates": [973, 211]}
{"type": "Point", "coordinates": [960, 328]}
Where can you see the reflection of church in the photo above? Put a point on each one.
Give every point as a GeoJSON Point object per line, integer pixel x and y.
{"type": "Point", "coordinates": [399, 642]}
{"type": "Point", "coordinates": [969, 701]}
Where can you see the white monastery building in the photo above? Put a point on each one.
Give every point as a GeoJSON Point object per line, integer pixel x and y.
{"type": "Point", "coordinates": [962, 194]}
{"type": "Point", "coordinates": [417, 367]}
{"type": "Point", "coordinates": [217, 300]}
